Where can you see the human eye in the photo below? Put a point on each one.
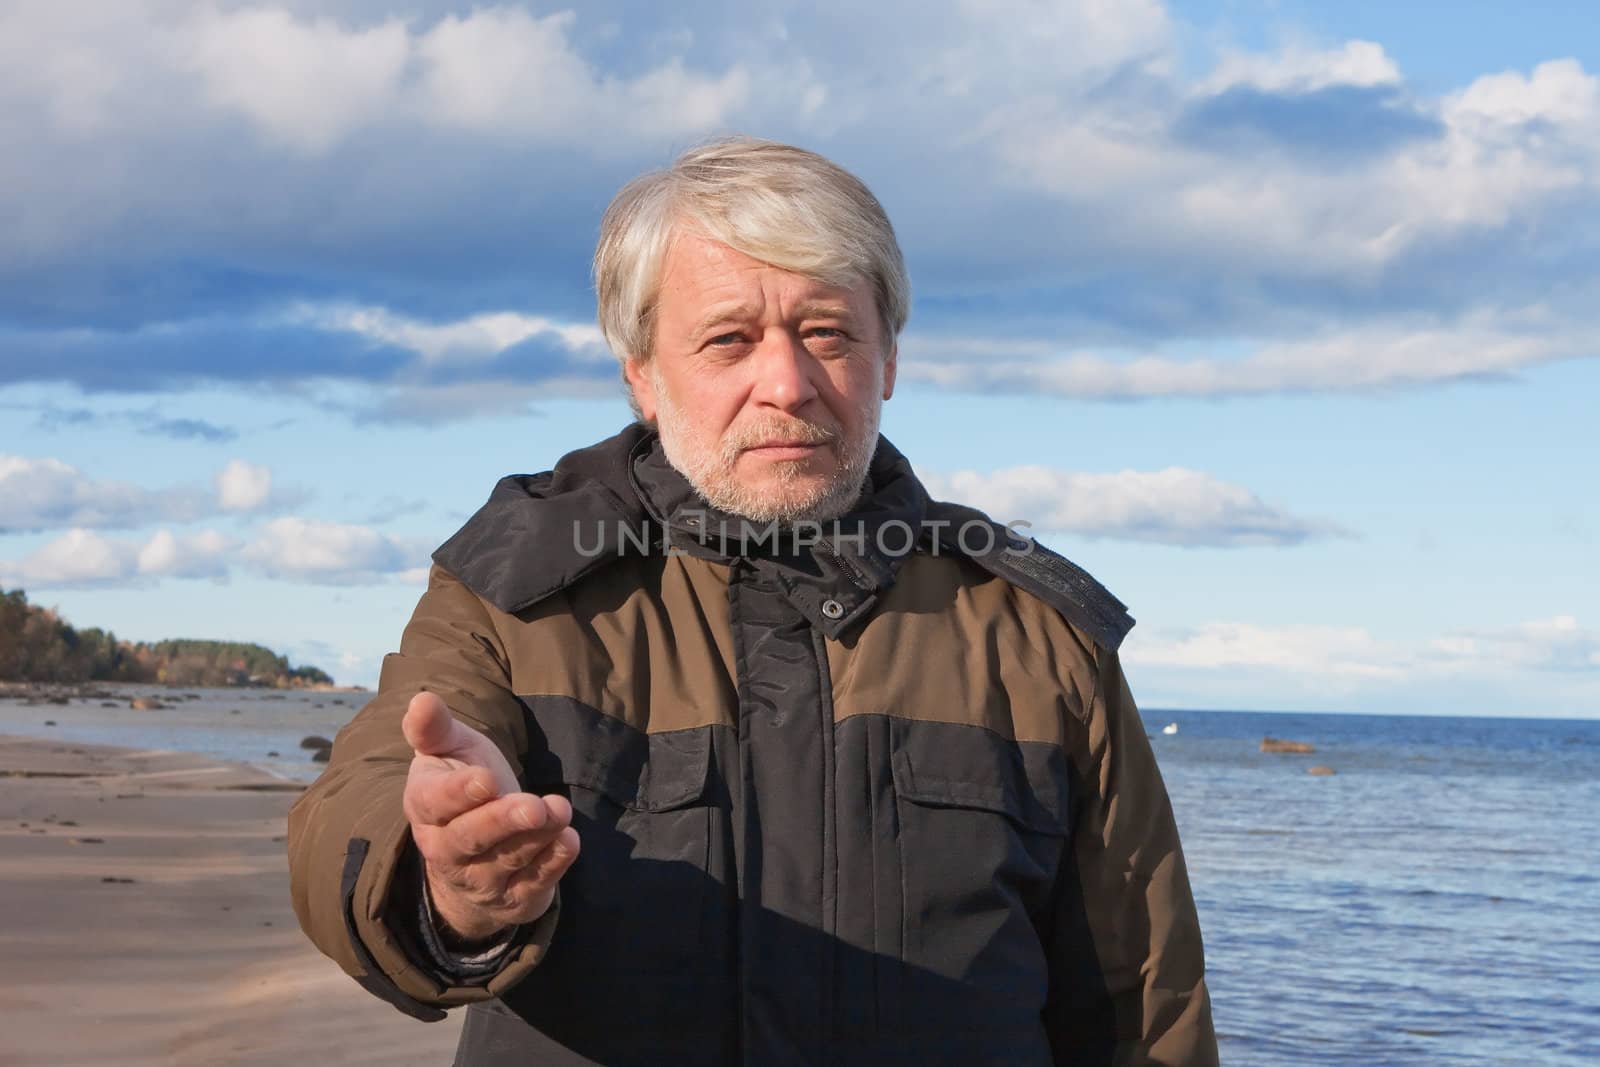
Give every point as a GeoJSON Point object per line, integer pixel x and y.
{"type": "Point", "coordinates": [827, 340]}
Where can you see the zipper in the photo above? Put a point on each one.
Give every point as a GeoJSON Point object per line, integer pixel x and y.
{"type": "Point", "coordinates": [844, 564]}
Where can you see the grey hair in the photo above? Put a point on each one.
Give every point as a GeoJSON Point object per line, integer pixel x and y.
{"type": "Point", "coordinates": [773, 202]}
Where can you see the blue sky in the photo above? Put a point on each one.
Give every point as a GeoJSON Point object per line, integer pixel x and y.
{"type": "Point", "coordinates": [1277, 317]}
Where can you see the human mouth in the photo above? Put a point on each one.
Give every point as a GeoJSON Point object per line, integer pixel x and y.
{"type": "Point", "coordinates": [781, 450]}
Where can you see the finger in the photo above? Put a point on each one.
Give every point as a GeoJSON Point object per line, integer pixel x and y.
{"type": "Point", "coordinates": [431, 730]}
{"type": "Point", "coordinates": [435, 798]}
{"type": "Point", "coordinates": [545, 871]}
{"type": "Point", "coordinates": [516, 896]}
{"type": "Point", "coordinates": [532, 848]}
{"type": "Point", "coordinates": [559, 807]}
{"type": "Point", "coordinates": [527, 893]}
{"type": "Point", "coordinates": [478, 832]}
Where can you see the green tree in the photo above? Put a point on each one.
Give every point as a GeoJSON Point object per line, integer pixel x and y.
{"type": "Point", "coordinates": [36, 645]}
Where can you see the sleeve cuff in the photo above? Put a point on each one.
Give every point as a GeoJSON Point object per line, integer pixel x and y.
{"type": "Point", "coordinates": [481, 962]}
{"type": "Point", "coordinates": [421, 939]}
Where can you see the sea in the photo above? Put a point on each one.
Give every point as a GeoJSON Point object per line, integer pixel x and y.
{"type": "Point", "coordinates": [1433, 900]}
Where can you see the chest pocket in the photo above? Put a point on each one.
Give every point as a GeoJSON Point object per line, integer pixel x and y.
{"type": "Point", "coordinates": [636, 900]}
{"type": "Point", "coordinates": [982, 827]}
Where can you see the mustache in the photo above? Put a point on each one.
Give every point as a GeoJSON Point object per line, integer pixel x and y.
{"type": "Point", "coordinates": [799, 431]}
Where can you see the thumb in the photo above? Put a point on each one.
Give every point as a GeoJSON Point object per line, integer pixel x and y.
{"type": "Point", "coordinates": [431, 730]}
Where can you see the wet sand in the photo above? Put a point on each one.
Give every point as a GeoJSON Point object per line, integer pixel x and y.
{"type": "Point", "coordinates": [145, 919]}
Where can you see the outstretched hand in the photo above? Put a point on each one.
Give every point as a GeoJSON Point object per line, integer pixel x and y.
{"type": "Point", "coordinates": [493, 854]}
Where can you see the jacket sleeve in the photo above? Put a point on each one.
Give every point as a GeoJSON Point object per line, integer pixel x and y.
{"type": "Point", "coordinates": [1126, 961]}
{"type": "Point", "coordinates": [349, 841]}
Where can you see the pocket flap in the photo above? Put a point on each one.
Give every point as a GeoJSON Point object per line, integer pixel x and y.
{"type": "Point", "coordinates": [952, 765]}
{"type": "Point", "coordinates": [572, 743]}
{"type": "Point", "coordinates": [674, 770]}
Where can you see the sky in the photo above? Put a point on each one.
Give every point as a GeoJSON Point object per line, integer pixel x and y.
{"type": "Point", "coordinates": [1280, 318]}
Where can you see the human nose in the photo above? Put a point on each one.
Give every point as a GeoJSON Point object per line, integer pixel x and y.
{"type": "Point", "coordinates": [783, 372]}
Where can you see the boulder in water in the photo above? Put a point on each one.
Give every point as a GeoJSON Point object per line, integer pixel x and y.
{"type": "Point", "coordinates": [315, 741]}
{"type": "Point", "coordinates": [145, 704]}
{"type": "Point", "coordinates": [1273, 744]}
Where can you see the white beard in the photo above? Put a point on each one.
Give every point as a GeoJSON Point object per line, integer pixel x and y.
{"type": "Point", "coordinates": [711, 466]}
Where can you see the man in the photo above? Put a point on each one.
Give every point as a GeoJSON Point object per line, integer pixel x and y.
{"type": "Point", "coordinates": [723, 743]}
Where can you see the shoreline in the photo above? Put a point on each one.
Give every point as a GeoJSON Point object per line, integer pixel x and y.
{"type": "Point", "coordinates": [62, 692]}
{"type": "Point", "coordinates": [148, 920]}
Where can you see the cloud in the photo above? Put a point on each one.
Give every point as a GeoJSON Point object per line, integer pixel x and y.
{"type": "Point", "coordinates": [1353, 653]}
{"type": "Point", "coordinates": [1299, 69]}
{"type": "Point", "coordinates": [175, 354]}
{"type": "Point", "coordinates": [243, 486]}
{"type": "Point", "coordinates": [305, 343]}
{"type": "Point", "coordinates": [1556, 94]}
{"type": "Point", "coordinates": [1173, 506]}
{"type": "Point", "coordinates": [54, 418]}
{"type": "Point", "coordinates": [305, 82]}
{"type": "Point", "coordinates": [1424, 209]}
{"type": "Point", "coordinates": [166, 161]}
{"type": "Point", "coordinates": [202, 555]}
{"type": "Point", "coordinates": [497, 362]}
{"type": "Point", "coordinates": [436, 405]}
{"type": "Point", "coordinates": [474, 339]}
{"type": "Point", "coordinates": [290, 548]}
{"type": "Point", "coordinates": [189, 429]}
{"type": "Point", "coordinates": [44, 494]}
{"type": "Point", "coordinates": [1558, 643]}
{"type": "Point", "coordinates": [1362, 359]}
{"type": "Point", "coordinates": [1336, 651]}
{"type": "Point", "coordinates": [182, 178]}
{"type": "Point", "coordinates": [78, 557]}
{"type": "Point", "coordinates": [82, 558]}
{"type": "Point", "coordinates": [501, 70]}
{"type": "Point", "coordinates": [312, 550]}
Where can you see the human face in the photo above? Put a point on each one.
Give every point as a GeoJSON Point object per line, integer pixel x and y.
{"type": "Point", "coordinates": [765, 385]}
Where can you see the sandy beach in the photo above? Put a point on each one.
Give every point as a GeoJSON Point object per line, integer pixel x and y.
{"type": "Point", "coordinates": [146, 920]}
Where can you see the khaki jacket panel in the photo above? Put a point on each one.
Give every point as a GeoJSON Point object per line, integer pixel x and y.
{"type": "Point", "coordinates": [450, 647]}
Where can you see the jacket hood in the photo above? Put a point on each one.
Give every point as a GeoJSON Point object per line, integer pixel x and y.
{"type": "Point", "coordinates": [521, 546]}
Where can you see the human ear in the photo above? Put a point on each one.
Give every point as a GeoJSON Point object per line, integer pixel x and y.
{"type": "Point", "coordinates": [642, 382]}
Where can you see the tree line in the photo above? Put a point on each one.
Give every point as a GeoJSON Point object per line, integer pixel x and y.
{"type": "Point", "coordinates": [37, 645]}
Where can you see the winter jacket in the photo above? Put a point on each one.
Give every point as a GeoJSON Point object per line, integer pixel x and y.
{"type": "Point", "coordinates": [881, 799]}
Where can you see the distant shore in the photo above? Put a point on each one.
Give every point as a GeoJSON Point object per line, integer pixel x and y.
{"type": "Point", "coordinates": [61, 692]}
{"type": "Point", "coordinates": [148, 921]}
